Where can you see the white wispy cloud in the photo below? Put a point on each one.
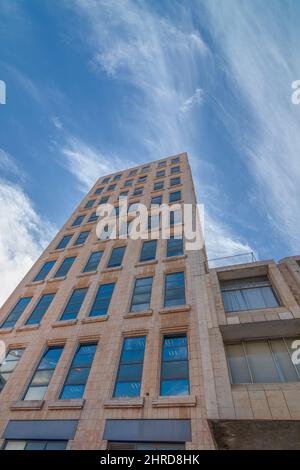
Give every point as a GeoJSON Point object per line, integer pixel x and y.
{"type": "Point", "coordinates": [193, 100]}
{"type": "Point", "coordinates": [23, 232]}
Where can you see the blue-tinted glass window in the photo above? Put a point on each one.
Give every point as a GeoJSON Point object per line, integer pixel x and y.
{"type": "Point", "coordinates": [78, 220]}
{"type": "Point", "coordinates": [129, 377]}
{"type": "Point", "coordinates": [175, 181]}
{"type": "Point", "coordinates": [74, 305]}
{"type": "Point", "coordinates": [161, 164]}
{"type": "Point", "coordinates": [90, 203]}
{"type": "Point", "coordinates": [160, 173]}
{"type": "Point", "coordinates": [81, 238]}
{"type": "Point", "coordinates": [158, 185]}
{"type": "Point", "coordinates": [148, 250]}
{"type": "Point", "coordinates": [138, 191]}
{"type": "Point", "coordinates": [175, 169]}
{"type": "Point", "coordinates": [16, 312]}
{"type": "Point", "coordinates": [123, 193]}
{"type": "Point", "coordinates": [175, 196]}
{"type": "Point", "coordinates": [142, 179]}
{"type": "Point", "coordinates": [99, 190]}
{"type": "Point", "coordinates": [132, 172]}
{"type": "Point", "coordinates": [141, 297]}
{"type": "Point", "coordinates": [128, 183]}
{"type": "Point", "coordinates": [43, 374]}
{"type": "Point", "coordinates": [117, 177]}
{"type": "Point", "coordinates": [145, 169]}
{"type": "Point", "coordinates": [116, 257]}
{"type": "Point", "coordinates": [175, 217]}
{"type": "Point", "coordinates": [93, 217]}
{"type": "Point", "coordinates": [9, 364]}
{"type": "Point", "coordinates": [102, 300]}
{"type": "Point", "coordinates": [93, 261]}
{"type": "Point", "coordinates": [103, 200]}
{"type": "Point", "coordinates": [44, 271]}
{"type": "Point", "coordinates": [65, 267]}
{"type": "Point", "coordinates": [105, 180]}
{"type": "Point", "coordinates": [174, 247]}
{"type": "Point", "coordinates": [175, 366]}
{"type": "Point", "coordinates": [174, 289]}
{"type": "Point", "coordinates": [111, 187]}
{"type": "Point", "coordinates": [157, 200]}
{"type": "Point", "coordinates": [64, 242]}
{"type": "Point", "coordinates": [175, 160]}
{"type": "Point", "coordinates": [79, 372]}
{"type": "Point", "coordinates": [40, 309]}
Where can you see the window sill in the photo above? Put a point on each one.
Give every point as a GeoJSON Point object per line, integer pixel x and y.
{"type": "Point", "coordinates": [35, 283]}
{"type": "Point", "coordinates": [28, 327]}
{"type": "Point", "coordinates": [76, 404]}
{"type": "Point", "coordinates": [144, 313]}
{"type": "Point", "coordinates": [6, 331]}
{"type": "Point", "coordinates": [59, 250]}
{"type": "Point", "coordinates": [55, 279]}
{"type": "Point", "coordinates": [174, 258]}
{"type": "Point", "coordinates": [170, 402]}
{"type": "Point", "coordinates": [145, 263]}
{"type": "Point", "coordinates": [124, 403]}
{"type": "Point", "coordinates": [94, 319]}
{"type": "Point", "coordinates": [63, 323]}
{"type": "Point", "coordinates": [111, 270]}
{"type": "Point", "coordinates": [88, 273]}
{"type": "Point", "coordinates": [175, 309]}
{"type": "Point", "coordinates": [27, 405]}
{"type": "Point", "coordinates": [278, 309]}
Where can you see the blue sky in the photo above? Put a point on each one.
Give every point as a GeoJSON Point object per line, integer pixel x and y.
{"type": "Point", "coordinates": [94, 86]}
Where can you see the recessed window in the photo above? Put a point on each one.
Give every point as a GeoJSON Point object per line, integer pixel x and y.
{"type": "Point", "coordinates": [175, 217]}
{"type": "Point", "coordinates": [148, 251]}
{"type": "Point", "coordinates": [158, 185]}
{"type": "Point", "coordinates": [128, 183]}
{"type": "Point", "coordinates": [133, 172]}
{"type": "Point", "coordinates": [105, 180]}
{"type": "Point", "coordinates": [116, 257]}
{"type": "Point", "coordinates": [102, 300]}
{"type": "Point", "coordinates": [16, 312]}
{"type": "Point", "coordinates": [141, 297]}
{"type": "Point", "coordinates": [156, 200]}
{"type": "Point", "coordinates": [99, 190]}
{"type": "Point", "coordinates": [117, 177]}
{"type": "Point", "coordinates": [123, 193]}
{"type": "Point", "coordinates": [78, 220]}
{"type": "Point", "coordinates": [40, 309]}
{"type": "Point", "coordinates": [9, 364]}
{"type": "Point", "coordinates": [174, 247]}
{"type": "Point", "coordinates": [78, 375]}
{"type": "Point", "coordinates": [81, 238]}
{"type": "Point", "coordinates": [93, 262]}
{"type": "Point", "coordinates": [174, 289]}
{"type": "Point", "coordinates": [262, 361]}
{"type": "Point", "coordinates": [64, 242]}
{"type": "Point", "coordinates": [175, 169]}
{"type": "Point", "coordinates": [43, 374]}
{"type": "Point", "coordinates": [174, 378]}
{"type": "Point", "coordinates": [138, 191]}
{"type": "Point", "coordinates": [65, 267]}
{"type": "Point", "coordinates": [175, 160]}
{"type": "Point", "coordinates": [175, 196]}
{"type": "Point", "coordinates": [248, 294]}
{"type": "Point", "coordinates": [93, 217]}
{"type": "Point", "coordinates": [129, 377]}
{"type": "Point", "coordinates": [90, 203]}
{"type": "Point", "coordinates": [11, 444]}
{"type": "Point", "coordinates": [161, 164]}
{"type": "Point", "coordinates": [74, 304]}
{"type": "Point", "coordinates": [103, 200]}
{"type": "Point", "coordinates": [111, 187]}
{"type": "Point", "coordinates": [44, 271]}
{"type": "Point", "coordinates": [160, 174]}
{"type": "Point", "coordinates": [145, 169]}
{"type": "Point", "coordinates": [142, 179]}
{"type": "Point", "coordinates": [175, 181]}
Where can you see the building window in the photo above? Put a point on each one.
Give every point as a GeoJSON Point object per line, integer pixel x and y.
{"type": "Point", "coordinates": [90, 203]}
{"type": "Point", "coordinates": [105, 180]}
{"type": "Point", "coordinates": [129, 377]}
{"type": "Point", "coordinates": [111, 187]}
{"type": "Point", "coordinates": [175, 181]}
{"type": "Point", "coordinates": [175, 160]}
{"type": "Point", "coordinates": [160, 174]}
{"type": "Point", "coordinates": [263, 361]}
{"type": "Point", "coordinates": [248, 294]}
{"type": "Point", "coordinates": [93, 217]}
{"type": "Point", "coordinates": [16, 312]}
{"type": "Point", "coordinates": [128, 183]}
{"type": "Point", "coordinates": [117, 177]}
{"type": "Point", "coordinates": [81, 238]}
{"type": "Point", "coordinates": [132, 172]}
{"type": "Point", "coordinates": [64, 242]}
{"type": "Point", "coordinates": [123, 194]}
{"type": "Point", "coordinates": [40, 309]}
{"type": "Point", "coordinates": [43, 374]}
{"type": "Point", "coordinates": [65, 267]}
{"type": "Point", "coordinates": [175, 366]}
{"type": "Point", "coordinates": [93, 262]}
{"type": "Point", "coordinates": [9, 364]}
{"type": "Point", "coordinates": [145, 169]}
{"type": "Point", "coordinates": [174, 247]}
{"type": "Point", "coordinates": [79, 372]}
{"type": "Point", "coordinates": [161, 164]}
{"type": "Point", "coordinates": [138, 191]}
{"type": "Point", "coordinates": [153, 222]}
{"type": "Point", "coordinates": [151, 446]}
{"type": "Point", "coordinates": [156, 200]}
{"type": "Point", "coordinates": [175, 196]}
{"type": "Point", "coordinates": [142, 179]}
{"type": "Point", "coordinates": [174, 289]}
{"type": "Point", "coordinates": [175, 169]}
{"type": "Point", "coordinates": [175, 217]}
{"type": "Point", "coordinates": [74, 305]}
{"type": "Point", "coordinates": [44, 271]}
{"type": "Point", "coordinates": [103, 200]}
{"type": "Point", "coordinates": [158, 185]}
{"type": "Point", "coordinates": [35, 445]}
{"type": "Point", "coordinates": [116, 257]}
{"type": "Point", "coordinates": [148, 250]}
{"type": "Point", "coordinates": [78, 220]}
{"type": "Point", "coordinates": [98, 191]}
{"type": "Point", "coordinates": [102, 300]}
{"type": "Point", "coordinates": [141, 297]}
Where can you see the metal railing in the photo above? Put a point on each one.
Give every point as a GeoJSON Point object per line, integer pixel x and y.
{"type": "Point", "coordinates": [241, 258]}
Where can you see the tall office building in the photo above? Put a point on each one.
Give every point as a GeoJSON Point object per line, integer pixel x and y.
{"type": "Point", "coordinates": [137, 344]}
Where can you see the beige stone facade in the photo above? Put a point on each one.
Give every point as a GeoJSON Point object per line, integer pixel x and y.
{"type": "Point", "coordinates": [215, 413]}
